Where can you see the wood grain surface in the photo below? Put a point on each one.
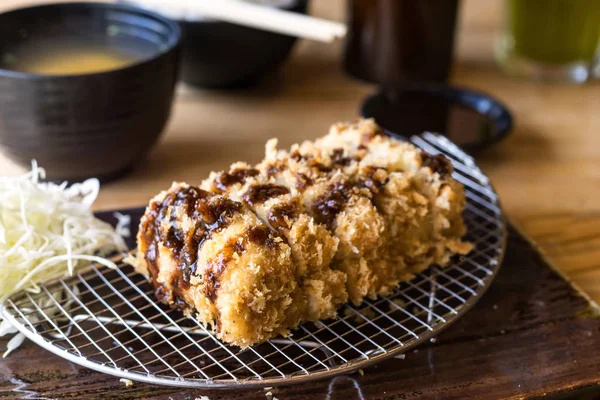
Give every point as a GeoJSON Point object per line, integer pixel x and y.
{"type": "Point", "coordinates": [531, 335]}
{"type": "Point", "coordinates": [536, 341]}
{"type": "Point", "coordinates": [547, 172]}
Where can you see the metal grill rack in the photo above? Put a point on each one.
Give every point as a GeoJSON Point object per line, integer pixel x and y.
{"type": "Point", "coordinates": [107, 320]}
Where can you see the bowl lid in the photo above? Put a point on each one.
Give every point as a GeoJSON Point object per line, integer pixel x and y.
{"type": "Point", "coordinates": [471, 119]}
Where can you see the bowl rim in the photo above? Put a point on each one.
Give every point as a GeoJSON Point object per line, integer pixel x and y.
{"type": "Point", "coordinates": [174, 38]}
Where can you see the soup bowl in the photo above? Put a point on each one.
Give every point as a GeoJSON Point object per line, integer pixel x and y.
{"type": "Point", "coordinates": [79, 125]}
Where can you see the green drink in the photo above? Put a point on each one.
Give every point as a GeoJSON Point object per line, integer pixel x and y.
{"type": "Point", "coordinates": [550, 39]}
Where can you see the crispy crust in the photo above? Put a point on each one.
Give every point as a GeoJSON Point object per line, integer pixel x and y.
{"type": "Point", "coordinates": [345, 217]}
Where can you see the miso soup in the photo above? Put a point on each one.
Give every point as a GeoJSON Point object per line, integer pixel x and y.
{"type": "Point", "coordinates": [71, 55]}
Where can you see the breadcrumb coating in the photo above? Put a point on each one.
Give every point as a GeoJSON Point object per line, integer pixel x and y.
{"type": "Point", "coordinates": [256, 250]}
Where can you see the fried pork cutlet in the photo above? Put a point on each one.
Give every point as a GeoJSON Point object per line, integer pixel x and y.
{"type": "Point", "coordinates": [256, 250]}
{"type": "Point", "coordinates": [313, 247]}
{"type": "Point", "coordinates": [212, 256]}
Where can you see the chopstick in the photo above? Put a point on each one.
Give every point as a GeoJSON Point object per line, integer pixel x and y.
{"type": "Point", "coordinates": [257, 16]}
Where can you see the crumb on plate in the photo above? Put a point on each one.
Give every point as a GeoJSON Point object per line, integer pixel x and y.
{"type": "Point", "coordinates": [127, 382]}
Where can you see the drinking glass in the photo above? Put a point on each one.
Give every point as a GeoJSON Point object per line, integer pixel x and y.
{"type": "Point", "coordinates": [549, 40]}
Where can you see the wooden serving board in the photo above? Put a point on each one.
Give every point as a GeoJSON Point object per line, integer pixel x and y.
{"type": "Point", "coordinates": [532, 334]}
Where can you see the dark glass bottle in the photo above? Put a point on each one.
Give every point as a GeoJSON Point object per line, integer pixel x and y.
{"type": "Point", "coordinates": [395, 42]}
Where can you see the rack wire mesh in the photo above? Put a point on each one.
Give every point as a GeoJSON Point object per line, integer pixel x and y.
{"type": "Point", "coordinates": [107, 320]}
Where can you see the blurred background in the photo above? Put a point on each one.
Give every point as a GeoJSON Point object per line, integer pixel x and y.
{"type": "Point", "coordinates": [546, 169]}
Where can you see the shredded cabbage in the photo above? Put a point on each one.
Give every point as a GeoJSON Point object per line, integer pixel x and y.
{"type": "Point", "coordinates": [48, 231]}
{"type": "Point", "coordinates": [123, 223]}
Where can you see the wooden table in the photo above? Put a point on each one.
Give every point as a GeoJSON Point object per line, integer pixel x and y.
{"type": "Point", "coordinates": [541, 340]}
{"type": "Point", "coordinates": [547, 172]}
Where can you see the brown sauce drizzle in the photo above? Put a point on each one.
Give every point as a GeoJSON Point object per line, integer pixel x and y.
{"type": "Point", "coordinates": [274, 169]}
{"type": "Point", "coordinates": [214, 270]}
{"type": "Point", "coordinates": [332, 202]}
{"type": "Point", "coordinates": [258, 194]}
{"type": "Point", "coordinates": [153, 232]}
{"type": "Point", "coordinates": [319, 166]}
{"type": "Point", "coordinates": [296, 156]}
{"type": "Point", "coordinates": [312, 163]}
{"type": "Point", "coordinates": [238, 175]}
{"type": "Point", "coordinates": [302, 181]}
{"type": "Point", "coordinates": [329, 205]}
{"type": "Point", "coordinates": [338, 159]}
{"type": "Point", "coordinates": [278, 215]}
{"type": "Point", "coordinates": [209, 213]}
{"type": "Point", "coordinates": [438, 163]}
{"type": "Point", "coordinates": [179, 303]}
{"type": "Point", "coordinates": [372, 181]}
{"type": "Point", "coordinates": [159, 291]}
{"type": "Point", "coordinates": [150, 255]}
{"type": "Point", "coordinates": [260, 235]}
{"type": "Point", "coordinates": [217, 213]}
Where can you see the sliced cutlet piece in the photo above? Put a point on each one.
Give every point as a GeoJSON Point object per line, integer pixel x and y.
{"type": "Point", "coordinates": [212, 257]}
{"type": "Point", "coordinates": [421, 203]}
{"type": "Point", "coordinates": [312, 246]}
{"type": "Point", "coordinates": [417, 205]}
{"type": "Point", "coordinates": [346, 209]}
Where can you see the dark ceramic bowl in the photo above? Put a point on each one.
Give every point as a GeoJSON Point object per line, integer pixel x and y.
{"type": "Point", "coordinates": [88, 125]}
{"type": "Point", "coordinates": [220, 55]}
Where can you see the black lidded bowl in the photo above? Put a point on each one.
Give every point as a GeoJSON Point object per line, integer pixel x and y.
{"type": "Point", "coordinates": [221, 55]}
{"type": "Point", "coordinates": [88, 125]}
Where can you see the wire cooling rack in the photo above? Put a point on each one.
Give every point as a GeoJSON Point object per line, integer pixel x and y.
{"type": "Point", "coordinates": [107, 320]}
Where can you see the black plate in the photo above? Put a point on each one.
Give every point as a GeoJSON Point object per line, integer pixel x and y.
{"type": "Point", "coordinates": [473, 120]}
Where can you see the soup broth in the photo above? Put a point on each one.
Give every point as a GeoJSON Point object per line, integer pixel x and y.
{"type": "Point", "coordinates": [67, 56]}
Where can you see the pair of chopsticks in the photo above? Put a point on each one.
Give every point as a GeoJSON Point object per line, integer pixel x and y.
{"type": "Point", "coordinates": [256, 16]}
